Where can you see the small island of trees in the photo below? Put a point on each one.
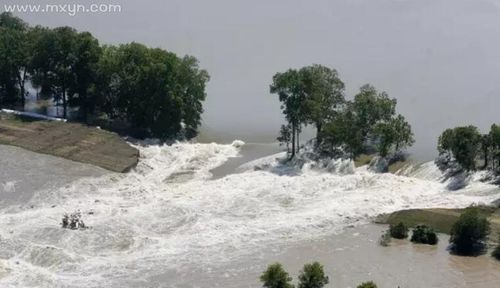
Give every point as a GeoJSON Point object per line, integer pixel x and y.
{"type": "Point", "coordinates": [315, 95]}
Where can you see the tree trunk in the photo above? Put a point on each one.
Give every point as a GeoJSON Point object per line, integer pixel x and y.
{"type": "Point", "coordinates": [64, 101]}
{"type": "Point", "coordinates": [298, 141]}
{"type": "Point", "coordinates": [485, 158]}
{"type": "Point", "coordinates": [21, 87]}
{"type": "Point", "coordinates": [293, 140]}
{"type": "Point", "coordinates": [319, 126]}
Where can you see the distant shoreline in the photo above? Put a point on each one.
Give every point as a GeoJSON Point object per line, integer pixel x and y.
{"type": "Point", "coordinates": [71, 141]}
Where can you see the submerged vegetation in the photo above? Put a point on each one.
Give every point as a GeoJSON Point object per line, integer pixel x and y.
{"type": "Point", "coordinates": [469, 234]}
{"type": "Point", "coordinates": [147, 92]}
{"type": "Point", "coordinates": [399, 231]}
{"type": "Point", "coordinates": [424, 234]}
{"type": "Point", "coordinates": [311, 276]}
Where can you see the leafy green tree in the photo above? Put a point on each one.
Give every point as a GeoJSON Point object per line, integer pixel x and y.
{"type": "Point", "coordinates": [65, 57]}
{"type": "Point", "coordinates": [324, 94]}
{"type": "Point", "coordinates": [290, 90]}
{"type": "Point", "coordinates": [369, 284]}
{"type": "Point", "coordinates": [285, 136]}
{"type": "Point", "coordinates": [372, 107]}
{"type": "Point", "coordinates": [156, 92]}
{"type": "Point", "coordinates": [394, 134]}
{"type": "Point", "coordinates": [276, 277]}
{"type": "Point", "coordinates": [312, 276]}
{"type": "Point", "coordinates": [87, 53]}
{"type": "Point", "coordinates": [43, 60]}
{"type": "Point", "coordinates": [343, 132]}
{"type": "Point", "coordinates": [494, 137]}
{"type": "Point", "coordinates": [463, 144]}
{"type": "Point", "coordinates": [191, 84]}
{"type": "Point", "coordinates": [14, 58]}
{"type": "Point", "coordinates": [469, 233]}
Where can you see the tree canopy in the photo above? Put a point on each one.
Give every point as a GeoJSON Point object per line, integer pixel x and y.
{"type": "Point", "coordinates": [153, 91]}
{"type": "Point", "coordinates": [315, 95]}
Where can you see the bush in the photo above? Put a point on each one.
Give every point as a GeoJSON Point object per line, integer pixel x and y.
{"type": "Point", "coordinates": [496, 252]}
{"type": "Point", "coordinates": [276, 277]}
{"type": "Point", "coordinates": [312, 276]}
{"type": "Point", "coordinates": [367, 285]}
{"type": "Point", "coordinates": [73, 221]}
{"type": "Point", "coordinates": [399, 231]}
{"type": "Point", "coordinates": [385, 239]}
{"type": "Point", "coordinates": [468, 234]}
{"type": "Point", "coordinates": [424, 235]}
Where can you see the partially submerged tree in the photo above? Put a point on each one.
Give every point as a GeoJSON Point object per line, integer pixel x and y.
{"type": "Point", "coordinates": [469, 233]}
{"type": "Point", "coordinates": [312, 276]}
{"type": "Point", "coordinates": [276, 277]}
{"type": "Point", "coordinates": [369, 284]}
{"type": "Point", "coordinates": [462, 143]}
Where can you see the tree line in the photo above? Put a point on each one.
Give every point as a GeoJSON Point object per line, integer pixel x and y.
{"type": "Point", "coordinates": [149, 91]}
{"type": "Point", "coordinates": [315, 95]}
{"type": "Point", "coordinates": [470, 149]}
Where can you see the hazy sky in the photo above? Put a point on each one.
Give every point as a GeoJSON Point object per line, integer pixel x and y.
{"type": "Point", "coordinates": [439, 58]}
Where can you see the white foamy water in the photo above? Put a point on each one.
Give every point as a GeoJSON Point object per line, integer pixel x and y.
{"type": "Point", "coordinates": [168, 215]}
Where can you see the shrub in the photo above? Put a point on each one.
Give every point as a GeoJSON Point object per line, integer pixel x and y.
{"type": "Point", "coordinates": [399, 231]}
{"type": "Point", "coordinates": [385, 239]}
{"type": "Point", "coordinates": [276, 277]}
{"type": "Point", "coordinates": [312, 276]}
{"type": "Point", "coordinates": [468, 234]}
{"type": "Point", "coordinates": [425, 235]}
{"type": "Point", "coordinates": [73, 221]}
{"type": "Point", "coordinates": [496, 252]}
{"type": "Point", "coordinates": [367, 285]}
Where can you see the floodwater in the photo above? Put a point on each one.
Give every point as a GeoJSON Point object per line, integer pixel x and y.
{"type": "Point", "coordinates": [353, 257]}
{"type": "Point", "coordinates": [177, 221]}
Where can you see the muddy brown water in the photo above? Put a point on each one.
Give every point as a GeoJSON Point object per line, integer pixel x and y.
{"type": "Point", "coordinates": [350, 258]}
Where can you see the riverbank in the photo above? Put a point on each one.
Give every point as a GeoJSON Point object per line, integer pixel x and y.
{"type": "Point", "coordinates": [440, 219]}
{"type": "Point", "coordinates": [71, 141]}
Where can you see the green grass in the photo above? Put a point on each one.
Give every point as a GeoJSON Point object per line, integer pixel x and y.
{"type": "Point", "coordinates": [441, 220]}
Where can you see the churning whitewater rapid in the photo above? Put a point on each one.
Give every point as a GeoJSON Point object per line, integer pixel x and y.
{"type": "Point", "coordinates": [169, 215]}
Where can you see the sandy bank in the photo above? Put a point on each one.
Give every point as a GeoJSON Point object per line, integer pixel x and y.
{"type": "Point", "coordinates": [72, 141]}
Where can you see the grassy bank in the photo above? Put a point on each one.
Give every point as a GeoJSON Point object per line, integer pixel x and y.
{"type": "Point", "coordinates": [440, 219]}
{"type": "Point", "coordinates": [365, 159]}
{"type": "Point", "coordinates": [72, 141]}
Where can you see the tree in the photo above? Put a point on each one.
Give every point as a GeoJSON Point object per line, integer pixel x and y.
{"type": "Point", "coordinates": [369, 284]}
{"type": "Point", "coordinates": [87, 53]}
{"type": "Point", "coordinates": [494, 137]}
{"type": "Point", "coordinates": [14, 58]}
{"type": "Point", "coordinates": [468, 234]}
{"type": "Point", "coordinates": [462, 143]}
{"type": "Point", "coordinates": [288, 86]}
{"type": "Point", "coordinates": [394, 134]}
{"type": "Point", "coordinates": [156, 92]}
{"type": "Point", "coordinates": [486, 144]}
{"type": "Point", "coordinates": [343, 132]}
{"type": "Point", "coordinates": [276, 277]}
{"type": "Point", "coordinates": [372, 107]}
{"type": "Point", "coordinates": [323, 92]}
{"type": "Point", "coordinates": [191, 84]}
{"type": "Point", "coordinates": [312, 276]}
{"type": "Point", "coordinates": [284, 138]}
